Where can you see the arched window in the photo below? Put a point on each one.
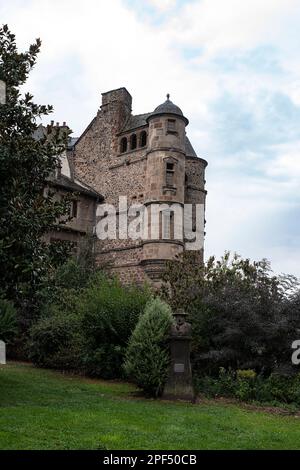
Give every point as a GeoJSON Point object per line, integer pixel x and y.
{"type": "Point", "coordinates": [133, 142]}
{"type": "Point", "coordinates": [143, 139]}
{"type": "Point", "coordinates": [123, 145]}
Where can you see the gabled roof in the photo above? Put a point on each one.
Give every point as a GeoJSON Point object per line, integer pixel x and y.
{"type": "Point", "coordinates": [135, 121]}
{"type": "Point", "coordinates": [63, 181]}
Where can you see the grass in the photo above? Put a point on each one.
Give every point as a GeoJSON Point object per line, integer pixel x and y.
{"type": "Point", "coordinates": [41, 409]}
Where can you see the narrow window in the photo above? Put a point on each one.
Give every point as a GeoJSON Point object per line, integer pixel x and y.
{"type": "Point", "coordinates": [170, 174]}
{"type": "Point", "coordinates": [123, 145]}
{"type": "Point", "coordinates": [74, 209]}
{"type": "Point", "coordinates": [171, 125]}
{"type": "Point", "coordinates": [167, 225]}
{"type": "Point", "coordinates": [133, 142]}
{"type": "Point", "coordinates": [143, 139]}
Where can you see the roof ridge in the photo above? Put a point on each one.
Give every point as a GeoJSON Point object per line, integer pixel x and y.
{"type": "Point", "coordinates": [141, 114]}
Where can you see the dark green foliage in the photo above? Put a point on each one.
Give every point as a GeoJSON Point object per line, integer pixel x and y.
{"type": "Point", "coordinates": [243, 317]}
{"type": "Point", "coordinates": [8, 323]}
{"type": "Point", "coordinates": [109, 314]}
{"type": "Point", "coordinates": [246, 385]}
{"type": "Point", "coordinates": [147, 356]}
{"type": "Point", "coordinates": [26, 214]}
{"type": "Point", "coordinates": [86, 321]}
{"type": "Point", "coordinates": [56, 342]}
{"type": "Point", "coordinates": [64, 284]}
{"type": "Point", "coordinates": [56, 339]}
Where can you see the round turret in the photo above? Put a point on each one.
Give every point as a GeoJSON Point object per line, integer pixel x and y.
{"type": "Point", "coordinates": [168, 107]}
{"type": "Point", "coordinates": [167, 127]}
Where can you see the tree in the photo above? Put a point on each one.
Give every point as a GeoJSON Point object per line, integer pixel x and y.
{"type": "Point", "coordinates": [26, 213]}
{"type": "Point", "coordinates": [242, 315]}
{"type": "Point", "coordinates": [147, 356]}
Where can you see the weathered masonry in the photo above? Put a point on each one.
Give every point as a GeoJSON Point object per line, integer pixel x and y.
{"type": "Point", "coordinates": [147, 158]}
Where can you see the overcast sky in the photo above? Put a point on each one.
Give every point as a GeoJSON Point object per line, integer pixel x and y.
{"type": "Point", "coordinates": [232, 66]}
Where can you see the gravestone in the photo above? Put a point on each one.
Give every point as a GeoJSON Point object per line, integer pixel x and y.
{"type": "Point", "coordinates": [179, 384]}
{"type": "Point", "coordinates": [2, 92]}
{"type": "Point", "coordinates": [2, 352]}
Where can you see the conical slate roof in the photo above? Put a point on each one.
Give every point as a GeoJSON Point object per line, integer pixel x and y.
{"type": "Point", "coordinates": [168, 107]}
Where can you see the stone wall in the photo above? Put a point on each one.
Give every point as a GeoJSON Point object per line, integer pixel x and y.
{"type": "Point", "coordinates": [80, 225]}
{"type": "Point", "coordinates": [140, 174]}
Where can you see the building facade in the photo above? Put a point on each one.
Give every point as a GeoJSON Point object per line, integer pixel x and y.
{"type": "Point", "coordinates": [148, 159]}
{"type": "Point", "coordinates": [84, 199]}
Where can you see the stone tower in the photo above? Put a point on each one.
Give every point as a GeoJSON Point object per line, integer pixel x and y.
{"type": "Point", "coordinates": [149, 159]}
{"type": "Point", "coordinates": [165, 183]}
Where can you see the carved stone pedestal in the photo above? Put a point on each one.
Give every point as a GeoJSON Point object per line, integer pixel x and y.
{"type": "Point", "coordinates": [179, 383]}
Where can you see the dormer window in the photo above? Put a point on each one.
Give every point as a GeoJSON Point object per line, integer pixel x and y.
{"type": "Point", "coordinates": [123, 145]}
{"type": "Point", "coordinates": [133, 142]}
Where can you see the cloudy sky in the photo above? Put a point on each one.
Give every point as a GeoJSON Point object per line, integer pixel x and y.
{"type": "Point", "coordinates": [232, 66]}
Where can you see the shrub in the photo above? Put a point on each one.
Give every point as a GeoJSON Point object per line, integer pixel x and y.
{"type": "Point", "coordinates": [246, 385]}
{"type": "Point", "coordinates": [147, 356]}
{"type": "Point", "coordinates": [86, 323]}
{"type": "Point", "coordinates": [280, 388]}
{"type": "Point", "coordinates": [242, 384]}
{"type": "Point", "coordinates": [56, 341]}
{"type": "Point", "coordinates": [109, 314]}
{"type": "Point", "coordinates": [8, 322]}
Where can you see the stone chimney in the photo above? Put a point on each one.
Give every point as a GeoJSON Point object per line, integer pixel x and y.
{"type": "Point", "coordinates": [116, 107]}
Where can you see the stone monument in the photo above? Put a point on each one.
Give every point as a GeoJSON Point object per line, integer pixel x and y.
{"type": "Point", "coordinates": [2, 352]}
{"type": "Point", "coordinates": [179, 384]}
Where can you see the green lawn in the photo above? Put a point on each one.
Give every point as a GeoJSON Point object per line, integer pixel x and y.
{"type": "Point", "coordinates": [42, 409]}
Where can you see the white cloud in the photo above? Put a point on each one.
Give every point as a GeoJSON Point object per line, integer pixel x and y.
{"type": "Point", "coordinates": [287, 164]}
{"type": "Point", "coordinates": [162, 5]}
{"type": "Point", "coordinates": [219, 25]}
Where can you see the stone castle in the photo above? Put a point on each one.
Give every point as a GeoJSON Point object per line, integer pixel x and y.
{"type": "Point", "coordinates": [149, 159]}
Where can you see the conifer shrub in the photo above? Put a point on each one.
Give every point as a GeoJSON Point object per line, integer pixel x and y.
{"type": "Point", "coordinates": [147, 356]}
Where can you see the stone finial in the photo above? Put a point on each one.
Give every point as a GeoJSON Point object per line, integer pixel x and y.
{"type": "Point", "coordinates": [168, 96]}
